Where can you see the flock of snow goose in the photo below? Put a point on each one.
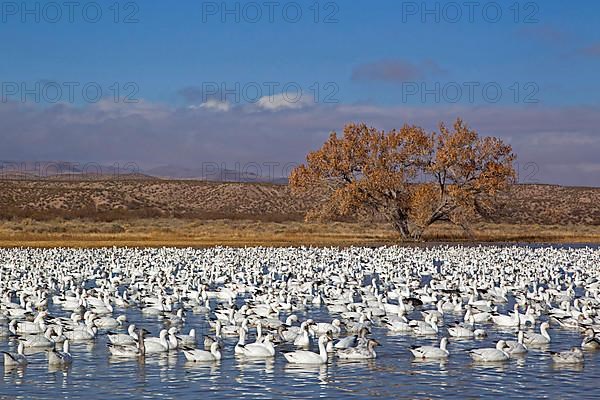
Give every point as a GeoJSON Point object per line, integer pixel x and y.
{"type": "Point", "coordinates": [265, 299]}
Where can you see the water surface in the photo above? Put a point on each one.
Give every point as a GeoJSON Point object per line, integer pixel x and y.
{"type": "Point", "coordinates": [96, 375]}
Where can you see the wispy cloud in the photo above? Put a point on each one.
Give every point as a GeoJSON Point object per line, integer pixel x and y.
{"type": "Point", "coordinates": [545, 33]}
{"type": "Point", "coordinates": [592, 50]}
{"type": "Point", "coordinates": [212, 104]}
{"type": "Point", "coordinates": [395, 70]}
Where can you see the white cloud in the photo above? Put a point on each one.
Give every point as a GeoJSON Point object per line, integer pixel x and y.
{"type": "Point", "coordinates": [214, 105]}
{"type": "Point", "coordinates": [282, 101]}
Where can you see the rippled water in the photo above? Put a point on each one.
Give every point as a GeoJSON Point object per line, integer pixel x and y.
{"type": "Point", "coordinates": [96, 375]}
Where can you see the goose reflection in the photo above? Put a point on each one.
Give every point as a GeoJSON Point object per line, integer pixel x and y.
{"type": "Point", "coordinates": [17, 371]}
{"type": "Point", "coordinates": [309, 371]}
{"type": "Point", "coordinates": [206, 367]}
{"type": "Point", "coordinates": [55, 368]}
{"type": "Point", "coordinates": [422, 362]}
{"type": "Point", "coordinates": [246, 365]}
{"type": "Point", "coordinates": [567, 367]}
{"type": "Point", "coordinates": [496, 366]}
{"type": "Point", "coordinates": [367, 363]}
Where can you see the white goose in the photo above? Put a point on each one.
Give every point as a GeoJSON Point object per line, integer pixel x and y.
{"type": "Point", "coordinates": [123, 338]}
{"type": "Point", "coordinates": [303, 339]}
{"type": "Point", "coordinates": [107, 322]}
{"type": "Point", "coordinates": [517, 347]}
{"type": "Point", "coordinates": [360, 352]}
{"type": "Point", "coordinates": [188, 340]}
{"type": "Point", "coordinates": [322, 328]}
{"type": "Point", "coordinates": [82, 333]}
{"type": "Point", "coordinates": [399, 324]}
{"type": "Point", "coordinates": [573, 356]}
{"type": "Point", "coordinates": [259, 350]}
{"type": "Point", "coordinates": [26, 327]}
{"type": "Point", "coordinates": [155, 345]}
{"type": "Point", "coordinates": [308, 357]}
{"type": "Point", "coordinates": [429, 328]}
{"type": "Point", "coordinates": [431, 352]}
{"type": "Point", "coordinates": [491, 354]}
{"type": "Point", "coordinates": [508, 320]}
{"type": "Point", "coordinates": [129, 350]}
{"type": "Point", "coordinates": [39, 340]}
{"type": "Point", "coordinates": [202, 355]}
{"type": "Point", "coordinates": [239, 347]}
{"type": "Point", "coordinates": [15, 359]}
{"type": "Point", "coordinates": [209, 340]}
{"type": "Point", "coordinates": [57, 357]}
{"type": "Point", "coordinates": [590, 341]}
{"type": "Point", "coordinates": [538, 339]}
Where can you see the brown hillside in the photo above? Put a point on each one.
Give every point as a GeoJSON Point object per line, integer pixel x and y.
{"type": "Point", "coordinates": [126, 199]}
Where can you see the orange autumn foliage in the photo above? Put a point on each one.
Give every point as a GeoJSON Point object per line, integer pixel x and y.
{"type": "Point", "coordinates": [409, 177]}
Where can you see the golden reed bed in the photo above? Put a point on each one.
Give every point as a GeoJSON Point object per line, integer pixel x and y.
{"type": "Point", "coordinates": [202, 233]}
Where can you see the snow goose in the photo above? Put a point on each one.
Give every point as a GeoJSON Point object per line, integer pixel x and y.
{"type": "Point", "coordinates": [123, 338]}
{"type": "Point", "coordinates": [57, 357]}
{"type": "Point", "coordinates": [538, 339]}
{"type": "Point", "coordinates": [130, 351]}
{"type": "Point", "coordinates": [398, 325]}
{"type": "Point", "coordinates": [516, 347]}
{"type": "Point", "coordinates": [27, 327]}
{"type": "Point", "coordinates": [259, 350]}
{"type": "Point", "coordinates": [352, 341]}
{"type": "Point", "coordinates": [15, 359]}
{"type": "Point", "coordinates": [322, 328]}
{"type": "Point", "coordinates": [478, 316]}
{"type": "Point", "coordinates": [508, 320]}
{"type": "Point", "coordinates": [239, 347]}
{"type": "Point", "coordinates": [573, 356]}
{"type": "Point", "coordinates": [81, 333]}
{"type": "Point", "coordinates": [160, 344]}
{"type": "Point", "coordinates": [188, 340]}
{"type": "Point", "coordinates": [38, 340]}
{"type": "Point", "coordinates": [309, 357]}
{"type": "Point", "coordinates": [431, 352]}
{"type": "Point", "coordinates": [466, 331]}
{"type": "Point", "coordinates": [209, 340]}
{"type": "Point", "coordinates": [590, 341]}
{"type": "Point", "coordinates": [360, 352]}
{"type": "Point", "coordinates": [202, 355]}
{"type": "Point", "coordinates": [108, 322]}
{"type": "Point", "coordinates": [491, 354]}
{"type": "Point", "coordinates": [303, 339]}
{"type": "Point", "coordinates": [429, 328]}
{"type": "Point", "coordinates": [438, 312]}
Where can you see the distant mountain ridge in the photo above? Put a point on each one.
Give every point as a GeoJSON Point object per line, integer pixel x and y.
{"type": "Point", "coordinates": [210, 172]}
{"type": "Point", "coordinates": [52, 170]}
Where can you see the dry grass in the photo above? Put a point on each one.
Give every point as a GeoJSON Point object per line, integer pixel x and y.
{"type": "Point", "coordinates": [181, 232]}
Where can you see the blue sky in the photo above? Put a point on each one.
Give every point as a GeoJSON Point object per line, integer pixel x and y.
{"type": "Point", "coordinates": [384, 62]}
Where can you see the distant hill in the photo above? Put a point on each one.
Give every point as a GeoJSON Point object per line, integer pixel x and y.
{"type": "Point", "coordinates": [109, 199]}
{"type": "Point", "coordinates": [210, 173]}
{"type": "Point", "coordinates": [61, 170]}
{"type": "Point", "coordinates": [67, 170]}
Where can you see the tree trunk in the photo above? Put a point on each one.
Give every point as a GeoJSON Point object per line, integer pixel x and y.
{"type": "Point", "coordinates": [401, 226]}
{"type": "Point", "coordinates": [416, 233]}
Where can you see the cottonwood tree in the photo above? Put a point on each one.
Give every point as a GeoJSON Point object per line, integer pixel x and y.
{"type": "Point", "coordinates": [409, 177]}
